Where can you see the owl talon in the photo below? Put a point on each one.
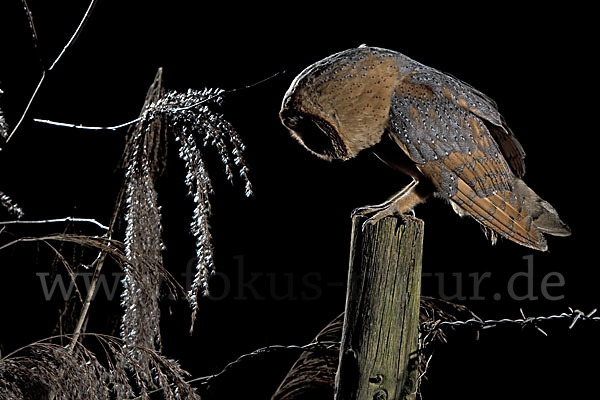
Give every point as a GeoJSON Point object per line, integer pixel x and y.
{"type": "Point", "coordinates": [366, 210]}
{"type": "Point", "coordinates": [386, 212]}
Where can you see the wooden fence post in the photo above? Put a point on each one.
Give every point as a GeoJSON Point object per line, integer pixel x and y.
{"type": "Point", "coordinates": [378, 354]}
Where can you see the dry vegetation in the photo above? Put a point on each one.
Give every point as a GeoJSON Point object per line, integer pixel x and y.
{"type": "Point", "coordinates": [133, 365]}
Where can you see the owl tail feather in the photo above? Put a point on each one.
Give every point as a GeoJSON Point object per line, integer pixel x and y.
{"type": "Point", "coordinates": [521, 215]}
{"type": "Point", "coordinates": [544, 217]}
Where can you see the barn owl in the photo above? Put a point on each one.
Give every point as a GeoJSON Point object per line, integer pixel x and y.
{"type": "Point", "coordinates": [446, 135]}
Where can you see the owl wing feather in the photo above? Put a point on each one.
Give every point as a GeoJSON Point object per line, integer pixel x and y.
{"type": "Point", "coordinates": [465, 96]}
{"type": "Point", "coordinates": [443, 130]}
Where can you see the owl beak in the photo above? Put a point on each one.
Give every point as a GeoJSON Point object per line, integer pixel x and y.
{"type": "Point", "coordinates": [288, 119]}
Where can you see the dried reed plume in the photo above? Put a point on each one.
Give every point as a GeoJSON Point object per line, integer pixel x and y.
{"type": "Point", "coordinates": [189, 113]}
{"type": "Point", "coordinates": [140, 323]}
{"type": "Point", "coordinates": [189, 120]}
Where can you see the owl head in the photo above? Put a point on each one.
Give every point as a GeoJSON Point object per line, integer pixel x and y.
{"type": "Point", "coordinates": [340, 105]}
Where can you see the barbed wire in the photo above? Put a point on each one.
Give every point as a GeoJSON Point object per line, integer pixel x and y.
{"type": "Point", "coordinates": [314, 346]}
{"type": "Point", "coordinates": [573, 315]}
{"type": "Point", "coordinates": [323, 346]}
{"type": "Point", "coordinates": [427, 328]}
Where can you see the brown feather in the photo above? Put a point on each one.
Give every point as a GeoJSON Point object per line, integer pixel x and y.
{"type": "Point", "coordinates": [350, 94]}
{"type": "Point", "coordinates": [507, 220]}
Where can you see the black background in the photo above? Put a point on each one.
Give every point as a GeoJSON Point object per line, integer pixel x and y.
{"type": "Point", "coordinates": [292, 237]}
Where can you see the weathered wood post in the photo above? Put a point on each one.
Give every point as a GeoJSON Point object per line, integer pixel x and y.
{"type": "Point", "coordinates": [378, 354]}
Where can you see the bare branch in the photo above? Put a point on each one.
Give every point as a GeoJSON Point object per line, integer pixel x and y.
{"type": "Point", "coordinates": [34, 35]}
{"type": "Point", "coordinates": [90, 128]}
{"type": "Point", "coordinates": [72, 40]}
{"type": "Point", "coordinates": [75, 35]}
{"type": "Point", "coordinates": [49, 221]}
{"type": "Point", "coordinates": [24, 114]}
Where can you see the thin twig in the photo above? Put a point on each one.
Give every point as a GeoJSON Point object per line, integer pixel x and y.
{"type": "Point", "coordinates": [72, 40]}
{"type": "Point", "coordinates": [24, 114]}
{"type": "Point", "coordinates": [88, 301]}
{"type": "Point", "coordinates": [34, 35]}
{"type": "Point", "coordinates": [75, 35]}
{"type": "Point", "coordinates": [36, 46]}
{"type": "Point", "coordinates": [228, 92]}
{"type": "Point", "coordinates": [19, 240]}
{"type": "Point", "coordinates": [64, 238]}
{"type": "Point", "coordinates": [91, 128]}
{"type": "Point", "coordinates": [48, 221]}
{"type": "Point", "coordinates": [135, 121]}
{"type": "Point", "coordinates": [99, 263]}
{"type": "Point", "coordinates": [67, 267]}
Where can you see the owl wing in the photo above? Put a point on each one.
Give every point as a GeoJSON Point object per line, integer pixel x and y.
{"type": "Point", "coordinates": [467, 97]}
{"type": "Point", "coordinates": [447, 137]}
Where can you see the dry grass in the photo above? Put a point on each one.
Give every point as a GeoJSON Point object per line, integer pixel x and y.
{"type": "Point", "coordinates": [133, 365]}
{"type": "Point", "coordinates": [48, 370]}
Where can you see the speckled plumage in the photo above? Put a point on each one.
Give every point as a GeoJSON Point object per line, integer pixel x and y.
{"type": "Point", "coordinates": [456, 143]}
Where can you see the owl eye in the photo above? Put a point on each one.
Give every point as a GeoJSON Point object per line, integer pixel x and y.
{"type": "Point", "coordinates": [316, 134]}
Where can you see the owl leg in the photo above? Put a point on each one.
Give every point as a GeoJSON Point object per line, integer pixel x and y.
{"type": "Point", "coordinates": [401, 203]}
{"type": "Point", "coordinates": [386, 204]}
